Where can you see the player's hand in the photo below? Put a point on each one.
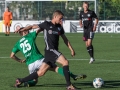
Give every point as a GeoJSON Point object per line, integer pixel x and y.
{"type": "Point", "coordinates": [17, 29]}
{"type": "Point", "coordinates": [94, 28]}
{"type": "Point", "coordinates": [22, 61]}
{"type": "Point", "coordinates": [72, 53]}
{"type": "Point", "coordinates": [10, 21]}
{"type": "Point", "coordinates": [3, 21]}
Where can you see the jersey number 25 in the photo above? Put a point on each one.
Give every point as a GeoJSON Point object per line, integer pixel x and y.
{"type": "Point", "coordinates": [25, 46]}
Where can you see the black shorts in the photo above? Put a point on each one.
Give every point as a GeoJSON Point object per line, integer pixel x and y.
{"type": "Point", "coordinates": [51, 56]}
{"type": "Point", "coordinates": [88, 35]}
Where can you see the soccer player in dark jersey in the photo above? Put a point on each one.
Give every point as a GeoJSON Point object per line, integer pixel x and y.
{"type": "Point", "coordinates": [34, 58]}
{"type": "Point", "coordinates": [86, 21]}
{"type": "Point", "coordinates": [52, 30]}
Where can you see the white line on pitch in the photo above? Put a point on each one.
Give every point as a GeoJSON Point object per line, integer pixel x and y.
{"type": "Point", "coordinates": [74, 59]}
{"type": "Point", "coordinates": [89, 59]}
{"type": "Point", "coordinates": [37, 36]}
{"type": "Point", "coordinates": [18, 36]}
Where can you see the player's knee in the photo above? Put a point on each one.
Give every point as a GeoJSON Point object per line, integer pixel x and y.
{"type": "Point", "coordinates": [88, 44]}
{"type": "Point", "coordinates": [41, 73]}
{"type": "Point", "coordinates": [66, 62]}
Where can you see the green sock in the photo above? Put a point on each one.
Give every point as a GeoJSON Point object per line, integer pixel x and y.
{"type": "Point", "coordinates": [32, 83]}
{"type": "Point", "coordinates": [60, 71]}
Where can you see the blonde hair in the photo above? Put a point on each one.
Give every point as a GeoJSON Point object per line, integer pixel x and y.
{"type": "Point", "coordinates": [86, 3]}
{"type": "Point", "coordinates": [57, 12]}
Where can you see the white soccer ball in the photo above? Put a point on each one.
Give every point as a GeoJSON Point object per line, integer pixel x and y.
{"type": "Point", "coordinates": [98, 82]}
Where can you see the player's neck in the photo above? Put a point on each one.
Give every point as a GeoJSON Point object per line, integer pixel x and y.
{"type": "Point", "coordinates": [85, 11]}
{"type": "Point", "coordinates": [24, 34]}
{"type": "Point", "coordinates": [7, 11]}
{"type": "Point", "coordinates": [53, 22]}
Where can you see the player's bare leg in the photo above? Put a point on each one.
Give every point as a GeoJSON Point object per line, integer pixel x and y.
{"type": "Point", "coordinates": [43, 69]}
{"type": "Point", "coordinates": [90, 50]}
{"type": "Point", "coordinates": [64, 62]}
{"type": "Point", "coordinates": [8, 33]}
{"type": "Point", "coordinates": [5, 30]}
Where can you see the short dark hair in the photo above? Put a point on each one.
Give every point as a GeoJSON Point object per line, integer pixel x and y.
{"type": "Point", "coordinates": [21, 29]}
{"type": "Point", "coordinates": [57, 12]}
{"type": "Point", "coordinates": [85, 2]}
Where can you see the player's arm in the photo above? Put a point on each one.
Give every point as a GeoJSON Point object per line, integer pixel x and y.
{"type": "Point", "coordinates": [38, 30]}
{"type": "Point", "coordinates": [30, 27]}
{"type": "Point", "coordinates": [40, 27]}
{"type": "Point", "coordinates": [26, 28]}
{"type": "Point", "coordinates": [35, 26]}
{"type": "Point", "coordinates": [13, 56]}
{"type": "Point", "coordinates": [95, 24]}
{"type": "Point", "coordinates": [80, 17]}
{"type": "Point", "coordinates": [11, 17]}
{"type": "Point", "coordinates": [68, 44]}
{"type": "Point", "coordinates": [96, 21]}
{"type": "Point", "coordinates": [3, 16]}
{"type": "Point", "coordinates": [81, 23]}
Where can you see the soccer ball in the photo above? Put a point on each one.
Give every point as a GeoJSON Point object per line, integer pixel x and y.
{"type": "Point", "coordinates": [98, 82]}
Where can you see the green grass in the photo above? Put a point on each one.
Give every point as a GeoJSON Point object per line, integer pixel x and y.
{"type": "Point", "coordinates": [106, 66]}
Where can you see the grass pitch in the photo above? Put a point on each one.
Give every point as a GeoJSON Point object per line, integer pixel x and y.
{"type": "Point", "coordinates": [106, 66]}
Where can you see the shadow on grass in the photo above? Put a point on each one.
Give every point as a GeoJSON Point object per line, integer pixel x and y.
{"type": "Point", "coordinates": [107, 84]}
{"type": "Point", "coordinates": [105, 62]}
{"type": "Point", "coordinates": [112, 84]}
{"type": "Point", "coordinates": [86, 84]}
{"type": "Point", "coordinates": [54, 85]}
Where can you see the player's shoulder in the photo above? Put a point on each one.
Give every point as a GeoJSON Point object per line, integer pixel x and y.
{"type": "Point", "coordinates": [49, 23]}
{"type": "Point", "coordinates": [10, 12]}
{"type": "Point", "coordinates": [90, 11]}
{"type": "Point", "coordinates": [46, 22]}
{"type": "Point", "coordinates": [17, 44]}
{"type": "Point", "coordinates": [81, 11]}
{"type": "Point", "coordinates": [21, 39]}
{"type": "Point", "coordinates": [5, 12]}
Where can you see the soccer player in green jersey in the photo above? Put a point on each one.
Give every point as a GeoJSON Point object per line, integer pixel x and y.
{"type": "Point", "coordinates": [33, 57]}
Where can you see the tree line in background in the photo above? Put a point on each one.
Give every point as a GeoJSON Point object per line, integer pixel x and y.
{"type": "Point", "coordinates": [41, 10]}
{"type": "Point", "coordinates": [109, 9]}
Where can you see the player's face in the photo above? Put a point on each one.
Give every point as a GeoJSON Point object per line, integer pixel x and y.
{"type": "Point", "coordinates": [26, 32]}
{"type": "Point", "coordinates": [59, 19]}
{"type": "Point", "coordinates": [85, 6]}
{"type": "Point", "coordinates": [7, 9]}
{"type": "Point", "coordinates": [17, 27]}
{"type": "Point", "coordinates": [23, 33]}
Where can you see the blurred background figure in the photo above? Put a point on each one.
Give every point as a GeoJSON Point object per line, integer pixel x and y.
{"type": "Point", "coordinates": [7, 20]}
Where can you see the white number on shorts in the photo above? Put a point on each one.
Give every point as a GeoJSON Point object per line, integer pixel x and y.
{"type": "Point", "coordinates": [25, 46]}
